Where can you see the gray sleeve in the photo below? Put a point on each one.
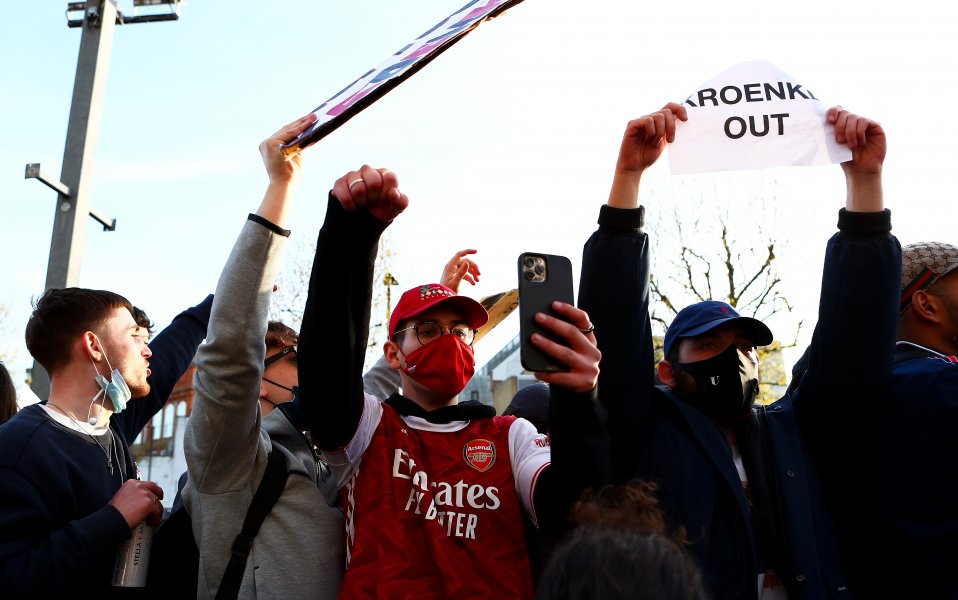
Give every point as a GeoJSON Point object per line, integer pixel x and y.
{"type": "Point", "coordinates": [223, 446]}
{"type": "Point", "coordinates": [381, 380]}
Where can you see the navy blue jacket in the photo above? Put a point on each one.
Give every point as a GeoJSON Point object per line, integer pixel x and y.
{"type": "Point", "coordinates": [900, 524]}
{"type": "Point", "coordinates": [656, 436]}
{"type": "Point", "coordinates": [58, 534]}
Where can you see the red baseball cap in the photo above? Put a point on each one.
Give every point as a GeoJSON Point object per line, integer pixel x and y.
{"type": "Point", "coordinates": [423, 297]}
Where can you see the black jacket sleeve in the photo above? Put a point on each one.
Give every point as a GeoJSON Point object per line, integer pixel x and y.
{"type": "Point", "coordinates": [580, 451]}
{"type": "Point", "coordinates": [852, 350]}
{"type": "Point", "coordinates": [614, 290]}
{"type": "Point", "coordinates": [173, 350]}
{"type": "Point", "coordinates": [332, 339]}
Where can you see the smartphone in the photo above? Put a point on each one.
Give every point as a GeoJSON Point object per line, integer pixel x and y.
{"type": "Point", "coordinates": [543, 279]}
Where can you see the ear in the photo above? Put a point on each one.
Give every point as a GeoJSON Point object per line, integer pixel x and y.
{"type": "Point", "coordinates": [392, 354]}
{"type": "Point", "coordinates": [926, 306]}
{"type": "Point", "coordinates": [91, 346]}
{"type": "Point", "coordinates": [666, 374]}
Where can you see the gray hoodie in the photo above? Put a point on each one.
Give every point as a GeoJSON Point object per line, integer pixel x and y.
{"type": "Point", "coordinates": [300, 549]}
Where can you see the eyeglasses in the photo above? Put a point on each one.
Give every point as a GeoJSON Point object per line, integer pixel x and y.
{"type": "Point", "coordinates": [271, 359]}
{"type": "Point", "coordinates": [429, 331]}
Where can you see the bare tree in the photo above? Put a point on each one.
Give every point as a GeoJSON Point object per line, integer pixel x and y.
{"type": "Point", "coordinates": [707, 246]}
{"type": "Point", "coordinates": [289, 300]}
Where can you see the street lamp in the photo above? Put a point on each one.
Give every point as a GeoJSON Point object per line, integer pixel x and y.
{"type": "Point", "coordinates": [388, 281]}
{"type": "Point", "coordinates": [80, 12]}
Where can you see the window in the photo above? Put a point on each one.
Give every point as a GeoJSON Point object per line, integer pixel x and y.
{"type": "Point", "coordinates": [168, 421]}
{"type": "Point", "coordinates": [157, 425]}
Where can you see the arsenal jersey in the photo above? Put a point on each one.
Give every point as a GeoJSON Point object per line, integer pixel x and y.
{"type": "Point", "coordinates": [435, 510]}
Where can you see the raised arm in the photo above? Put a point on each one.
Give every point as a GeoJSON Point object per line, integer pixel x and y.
{"type": "Point", "coordinates": [222, 436]}
{"type": "Point", "coordinates": [335, 329]}
{"type": "Point", "coordinates": [614, 290]}
{"type": "Point", "coordinates": [173, 351]}
{"type": "Point", "coordinates": [851, 354]}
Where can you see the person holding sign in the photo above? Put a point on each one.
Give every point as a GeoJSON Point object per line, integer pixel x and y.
{"type": "Point", "coordinates": [740, 478]}
{"type": "Point", "coordinates": [435, 491]}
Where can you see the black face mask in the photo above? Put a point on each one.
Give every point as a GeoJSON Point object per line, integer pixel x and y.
{"type": "Point", "coordinates": [725, 385]}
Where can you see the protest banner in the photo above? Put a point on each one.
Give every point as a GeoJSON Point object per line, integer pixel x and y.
{"type": "Point", "coordinates": [753, 116]}
{"type": "Point", "coordinates": [375, 83]}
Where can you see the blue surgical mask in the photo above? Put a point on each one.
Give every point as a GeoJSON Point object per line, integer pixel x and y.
{"type": "Point", "coordinates": [114, 388]}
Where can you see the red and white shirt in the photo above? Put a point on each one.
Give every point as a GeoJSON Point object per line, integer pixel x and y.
{"type": "Point", "coordinates": [435, 510]}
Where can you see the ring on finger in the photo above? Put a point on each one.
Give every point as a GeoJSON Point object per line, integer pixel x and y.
{"type": "Point", "coordinates": [354, 182]}
{"type": "Point", "coordinates": [589, 329]}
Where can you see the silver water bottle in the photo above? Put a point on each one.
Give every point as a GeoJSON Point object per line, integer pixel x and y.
{"type": "Point", "coordinates": [133, 559]}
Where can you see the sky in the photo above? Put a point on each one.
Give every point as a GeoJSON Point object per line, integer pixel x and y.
{"type": "Point", "coordinates": [505, 143]}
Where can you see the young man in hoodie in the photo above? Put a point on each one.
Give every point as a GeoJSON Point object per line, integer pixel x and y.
{"type": "Point", "coordinates": [298, 551]}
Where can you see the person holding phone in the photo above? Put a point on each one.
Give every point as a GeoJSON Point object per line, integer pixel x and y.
{"type": "Point", "coordinates": [742, 479]}
{"type": "Point", "coordinates": [434, 489]}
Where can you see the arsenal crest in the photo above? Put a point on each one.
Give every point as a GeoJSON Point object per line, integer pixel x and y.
{"type": "Point", "coordinates": [479, 454]}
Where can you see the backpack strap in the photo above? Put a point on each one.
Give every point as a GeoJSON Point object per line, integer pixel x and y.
{"type": "Point", "coordinates": [268, 492]}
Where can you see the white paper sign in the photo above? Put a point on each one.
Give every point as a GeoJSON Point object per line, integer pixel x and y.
{"type": "Point", "coordinates": [753, 116]}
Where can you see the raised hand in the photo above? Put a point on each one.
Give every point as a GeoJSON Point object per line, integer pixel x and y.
{"type": "Point", "coordinates": [373, 190]}
{"type": "Point", "coordinates": [280, 168]}
{"type": "Point", "coordinates": [642, 144]}
{"type": "Point", "coordinates": [458, 268]}
{"type": "Point", "coordinates": [866, 139]}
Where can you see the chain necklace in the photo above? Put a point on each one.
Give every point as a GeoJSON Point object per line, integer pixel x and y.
{"type": "Point", "coordinates": [109, 459]}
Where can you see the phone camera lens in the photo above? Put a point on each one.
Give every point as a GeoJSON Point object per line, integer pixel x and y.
{"type": "Point", "coordinates": [529, 261]}
{"type": "Point", "coordinates": [528, 275]}
{"type": "Point", "coordinates": [540, 269]}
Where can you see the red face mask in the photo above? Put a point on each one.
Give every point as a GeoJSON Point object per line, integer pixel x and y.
{"type": "Point", "coordinates": [445, 365]}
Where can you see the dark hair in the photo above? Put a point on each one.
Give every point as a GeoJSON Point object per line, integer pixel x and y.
{"type": "Point", "coordinates": [8, 395]}
{"type": "Point", "coordinates": [280, 335]}
{"type": "Point", "coordinates": [60, 315]}
{"type": "Point", "coordinates": [531, 402]}
{"type": "Point", "coordinates": [139, 315]}
{"type": "Point", "coordinates": [621, 549]}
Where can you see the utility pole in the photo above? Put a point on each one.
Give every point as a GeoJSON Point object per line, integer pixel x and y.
{"type": "Point", "coordinates": [83, 132]}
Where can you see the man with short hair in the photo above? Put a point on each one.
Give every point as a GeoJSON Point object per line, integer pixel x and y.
{"type": "Point", "coordinates": [434, 489]}
{"type": "Point", "coordinates": [69, 489]}
{"type": "Point", "coordinates": [739, 478]}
